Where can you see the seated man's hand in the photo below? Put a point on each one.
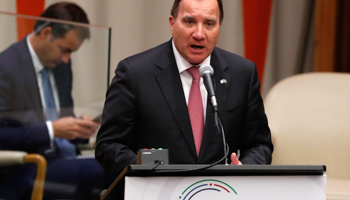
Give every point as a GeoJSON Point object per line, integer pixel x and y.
{"type": "Point", "coordinates": [234, 160]}
{"type": "Point", "coordinates": [85, 117]}
{"type": "Point", "coordinates": [71, 128]}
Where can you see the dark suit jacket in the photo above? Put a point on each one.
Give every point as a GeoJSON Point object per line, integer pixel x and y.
{"type": "Point", "coordinates": [22, 121]}
{"type": "Point", "coordinates": [146, 108]}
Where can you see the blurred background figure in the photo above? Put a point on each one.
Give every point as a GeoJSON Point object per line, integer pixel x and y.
{"type": "Point", "coordinates": [36, 109]}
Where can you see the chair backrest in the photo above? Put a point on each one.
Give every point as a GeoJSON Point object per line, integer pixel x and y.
{"type": "Point", "coordinates": [309, 117]}
{"type": "Point", "coordinates": [8, 158]}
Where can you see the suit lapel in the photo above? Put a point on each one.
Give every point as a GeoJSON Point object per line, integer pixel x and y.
{"type": "Point", "coordinates": [170, 83]}
{"type": "Point", "coordinates": [29, 78]}
{"type": "Point", "coordinates": [219, 66]}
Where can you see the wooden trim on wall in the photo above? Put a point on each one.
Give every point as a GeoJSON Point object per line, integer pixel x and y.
{"type": "Point", "coordinates": [342, 51]}
{"type": "Point", "coordinates": [325, 35]}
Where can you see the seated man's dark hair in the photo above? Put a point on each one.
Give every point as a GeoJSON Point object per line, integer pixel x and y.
{"type": "Point", "coordinates": [63, 11]}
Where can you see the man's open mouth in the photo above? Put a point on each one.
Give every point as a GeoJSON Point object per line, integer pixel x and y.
{"type": "Point", "coordinates": [197, 47]}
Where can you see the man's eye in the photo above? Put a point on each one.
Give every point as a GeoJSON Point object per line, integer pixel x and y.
{"type": "Point", "coordinates": [210, 24]}
{"type": "Point", "coordinates": [189, 22]}
{"type": "Point", "coordinates": [64, 50]}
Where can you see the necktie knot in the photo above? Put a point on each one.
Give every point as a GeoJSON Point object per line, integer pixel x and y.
{"type": "Point", "coordinates": [194, 71]}
{"type": "Point", "coordinates": [44, 73]}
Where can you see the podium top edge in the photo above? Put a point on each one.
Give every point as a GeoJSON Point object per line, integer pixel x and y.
{"type": "Point", "coordinates": [224, 170]}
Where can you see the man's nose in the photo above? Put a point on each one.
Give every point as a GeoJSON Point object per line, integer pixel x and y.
{"type": "Point", "coordinates": [199, 34]}
{"type": "Point", "coordinates": [65, 57]}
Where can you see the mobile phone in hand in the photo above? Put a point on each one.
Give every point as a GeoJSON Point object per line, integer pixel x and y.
{"type": "Point", "coordinates": [98, 118]}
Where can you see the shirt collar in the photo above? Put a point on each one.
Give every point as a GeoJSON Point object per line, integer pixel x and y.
{"type": "Point", "coordinates": [36, 61]}
{"type": "Point", "coordinates": [183, 64]}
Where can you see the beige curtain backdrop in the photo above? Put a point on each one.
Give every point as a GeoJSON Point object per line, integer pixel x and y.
{"type": "Point", "coordinates": [291, 41]}
{"type": "Point", "coordinates": [139, 25]}
{"type": "Point", "coordinates": [7, 23]}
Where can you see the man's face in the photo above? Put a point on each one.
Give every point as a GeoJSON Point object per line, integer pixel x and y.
{"type": "Point", "coordinates": [196, 29]}
{"type": "Point", "coordinates": [53, 51]}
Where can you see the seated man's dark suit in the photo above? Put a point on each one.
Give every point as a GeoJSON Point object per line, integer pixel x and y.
{"type": "Point", "coordinates": [20, 97]}
{"type": "Point", "coordinates": [146, 108]}
{"type": "Point", "coordinates": [23, 127]}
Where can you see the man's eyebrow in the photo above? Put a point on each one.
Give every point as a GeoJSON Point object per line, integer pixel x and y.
{"type": "Point", "coordinates": [188, 18]}
{"type": "Point", "coordinates": [212, 19]}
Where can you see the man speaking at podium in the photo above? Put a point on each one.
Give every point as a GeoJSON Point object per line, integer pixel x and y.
{"type": "Point", "coordinates": [158, 100]}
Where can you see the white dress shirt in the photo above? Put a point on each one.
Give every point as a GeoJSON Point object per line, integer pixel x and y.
{"type": "Point", "coordinates": [38, 66]}
{"type": "Point", "coordinates": [186, 77]}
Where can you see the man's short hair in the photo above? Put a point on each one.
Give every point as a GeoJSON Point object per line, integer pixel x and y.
{"type": "Point", "coordinates": [64, 11]}
{"type": "Point", "coordinates": [175, 9]}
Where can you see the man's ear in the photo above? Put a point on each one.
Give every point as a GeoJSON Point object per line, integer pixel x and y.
{"type": "Point", "coordinates": [171, 23]}
{"type": "Point", "coordinates": [46, 32]}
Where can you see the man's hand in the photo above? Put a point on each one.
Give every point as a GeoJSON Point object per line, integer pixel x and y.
{"type": "Point", "coordinates": [234, 160]}
{"type": "Point", "coordinates": [71, 128]}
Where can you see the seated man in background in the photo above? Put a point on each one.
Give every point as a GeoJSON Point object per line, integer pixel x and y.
{"type": "Point", "coordinates": [36, 110]}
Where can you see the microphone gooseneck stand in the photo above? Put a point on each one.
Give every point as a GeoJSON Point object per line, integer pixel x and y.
{"type": "Point", "coordinates": [221, 130]}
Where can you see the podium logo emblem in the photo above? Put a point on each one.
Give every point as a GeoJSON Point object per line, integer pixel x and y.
{"type": "Point", "coordinates": [207, 188]}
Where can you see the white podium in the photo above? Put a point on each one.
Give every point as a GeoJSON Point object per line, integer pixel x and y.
{"type": "Point", "coordinates": [224, 182]}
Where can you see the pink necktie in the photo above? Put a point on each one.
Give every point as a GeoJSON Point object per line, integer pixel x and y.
{"type": "Point", "coordinates": [195, 108]}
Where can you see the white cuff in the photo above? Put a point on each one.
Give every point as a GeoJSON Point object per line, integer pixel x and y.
{"type": "Point", "coordinates": [50, 128]}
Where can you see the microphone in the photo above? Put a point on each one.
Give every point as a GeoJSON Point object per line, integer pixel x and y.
{"type": "Point", "coordinates": [206, 73]}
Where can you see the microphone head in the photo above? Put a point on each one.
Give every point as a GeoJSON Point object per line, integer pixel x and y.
{"type": "Point", "coordinates": [205, 70]}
